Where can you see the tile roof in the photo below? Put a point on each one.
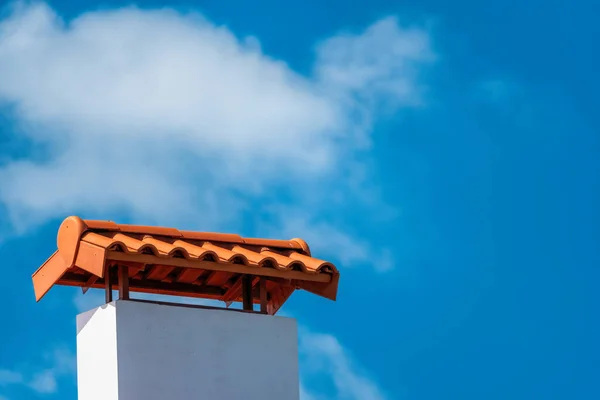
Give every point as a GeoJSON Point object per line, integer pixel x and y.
{"type": "Point", "coordinates": [182, 263]}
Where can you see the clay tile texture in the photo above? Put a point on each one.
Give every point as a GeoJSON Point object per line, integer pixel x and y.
{"type": "Point", "coordinates": [182, 263]}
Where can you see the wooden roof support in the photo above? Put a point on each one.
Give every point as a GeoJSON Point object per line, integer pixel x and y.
{"type": "Point", "coordinates": [118, 256]}
{"type": "Point", "coordinates": [108, 285]}
{"type": "Point", "coordinates": [247, 292]}
{"type": "Point", "coordinates": [262, 293]}
{"type": "Point", "coordinates": [123, 282]}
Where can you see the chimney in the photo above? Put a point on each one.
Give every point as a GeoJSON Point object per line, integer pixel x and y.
{"type": "Point", "coordinates": [132, 349]}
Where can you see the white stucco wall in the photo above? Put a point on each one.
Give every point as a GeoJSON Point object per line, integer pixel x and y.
{"type": "Point", "coordinates": [178, 353]}
{"type": "Point", "coordinates": [97, 377]}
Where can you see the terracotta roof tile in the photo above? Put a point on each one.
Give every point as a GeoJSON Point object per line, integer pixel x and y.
{"type": "Point", "coordinates": [182, 263]}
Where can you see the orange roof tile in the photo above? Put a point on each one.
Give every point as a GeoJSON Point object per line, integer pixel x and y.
{"type": "Point", "coordinates": [182, 263]}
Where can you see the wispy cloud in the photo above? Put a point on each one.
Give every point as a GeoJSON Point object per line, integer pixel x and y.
{"type": "Point", "coordinates": [56, 364]}
{"type": "Point", "coordinates": [322, 355]}
{"type": "Point", "coordinates": [327, 240]}
{"type": "Point", "coordinates": [172, 119]}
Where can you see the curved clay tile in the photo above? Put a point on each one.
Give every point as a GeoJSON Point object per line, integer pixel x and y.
{"type": "Point", "coordinates": [312, 264]}
{"type": "Point", "coordinates": [254, 257]}
{"type": "Point", "coordinates": [226, 255]}
{"type": "Point", "coordinates": [194, 251]}
{"type": "Point", "coordinates": [283, 262]}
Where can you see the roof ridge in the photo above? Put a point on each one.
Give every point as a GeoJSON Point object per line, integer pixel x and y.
{"type": "Point", "coordinates": [80, 226]}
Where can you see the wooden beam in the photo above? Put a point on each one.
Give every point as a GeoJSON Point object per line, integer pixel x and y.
{"type": "Point", "coordinates": [158, 272]}
{"type": "Point", "coordinates": [218, 266]}
{"type": "Point", "coordinates": [237, 290]}
{"type": "Point", "coordinates": [154, 287]}
{"type": "Point", "coordinates": [177, 289]}
{"type": "Point", "coordinates": [89, 283]}
{"type": "Point", "coordinates": [233, 292]}
{"type": "Point", "coordinates": [188, 305]}
{"type": "Point", "coordinates": [123, 282]}
{"type": "Point", "coordinates": [188, 275]}
{"type": "Point", "coordinates": [107, 285]}
{"type": "Point", "coordinates": [247, 292]}
{"type": "Point", "coordinates": [204, 279]}
{"type": "Point", "coordinates": [262, 290]}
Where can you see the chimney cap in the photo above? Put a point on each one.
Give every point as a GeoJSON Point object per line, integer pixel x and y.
{"type": "Point", "coordinates": [183, 263]}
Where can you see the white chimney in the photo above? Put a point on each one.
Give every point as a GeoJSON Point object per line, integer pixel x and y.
{"type": "Point", "coordinates": [131, 350]}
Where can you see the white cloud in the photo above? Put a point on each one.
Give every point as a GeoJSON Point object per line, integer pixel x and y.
{"type": "Point", "coordinates": [382, 63]}
{"type": "Point", "coordinates": [322, 356]}
{"type": "Point", "coordinates": [326, 240]}
{"type": "Point", "coordinates": [55, 365]}
{"type": "Point", "coordinates": [173, 119]}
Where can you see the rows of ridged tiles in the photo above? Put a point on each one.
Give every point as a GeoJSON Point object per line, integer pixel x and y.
{"type": "Point", "coordinates": [207, 251]}
{"type": "Point", "coordinates": [289, 258]}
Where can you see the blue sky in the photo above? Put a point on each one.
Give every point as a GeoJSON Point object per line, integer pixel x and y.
{"type": "Point", "coordinates": [443, 155]}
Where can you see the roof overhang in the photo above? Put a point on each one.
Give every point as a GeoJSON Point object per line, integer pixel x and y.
{"type": "Point", "coordinates": [182, 263]}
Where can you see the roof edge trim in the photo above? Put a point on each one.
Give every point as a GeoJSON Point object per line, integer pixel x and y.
{"type": "Point", "coordinates": [48, 274]}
